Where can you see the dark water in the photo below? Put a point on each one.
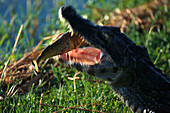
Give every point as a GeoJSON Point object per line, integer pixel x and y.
{"type": "Point", "coordinates": [21, 8]}
{"type": "Point", "coordinates": [18, 5]}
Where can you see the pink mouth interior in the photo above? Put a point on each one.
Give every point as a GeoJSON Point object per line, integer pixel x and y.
{"type": "Point", "coordinates": [88, 55]}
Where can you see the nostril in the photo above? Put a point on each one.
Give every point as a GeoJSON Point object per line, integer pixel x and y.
{"type": "Point", "coordinates": [67, 11]}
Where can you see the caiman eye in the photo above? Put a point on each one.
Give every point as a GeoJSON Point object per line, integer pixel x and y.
{"type": "Point", "coordinates": [106, 36]}
{"type": "Point", "coordinates": [103, 35]}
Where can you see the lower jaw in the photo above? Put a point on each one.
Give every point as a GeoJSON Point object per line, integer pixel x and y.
{"type": "Point", "coordinates": [84, 56]}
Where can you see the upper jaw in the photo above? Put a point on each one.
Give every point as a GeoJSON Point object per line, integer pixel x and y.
{"type": "Point", "coordinates": [78, 24]}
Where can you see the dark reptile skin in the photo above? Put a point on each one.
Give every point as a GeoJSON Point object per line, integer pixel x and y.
{"type": "Point", "coordinates": [126, 66]}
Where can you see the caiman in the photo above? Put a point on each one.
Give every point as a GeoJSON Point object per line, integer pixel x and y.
{"type": "Point", "coordinates": [117, 59]}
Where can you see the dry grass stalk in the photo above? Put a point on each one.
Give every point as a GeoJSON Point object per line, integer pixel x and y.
{"type": "Point", "coordinates": [75, 107]}
{"type": "Point", "coordinates": [16, 41]}
{"type": "Point", "coordinates": [40, 102]}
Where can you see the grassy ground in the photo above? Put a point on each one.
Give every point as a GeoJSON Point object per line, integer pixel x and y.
{"type": "Point", "coordinates": [60, 91]}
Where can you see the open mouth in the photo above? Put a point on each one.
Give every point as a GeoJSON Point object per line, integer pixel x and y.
{"type": "Point", "coordinates": [88, 55]}
{"type": "Point", "coordinates": [85, 56]}
{"type": "Point", "coordinates": [72, 48]}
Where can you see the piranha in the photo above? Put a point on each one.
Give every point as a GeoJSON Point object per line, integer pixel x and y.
{"type": "Point", "coordinates": [67, 49]}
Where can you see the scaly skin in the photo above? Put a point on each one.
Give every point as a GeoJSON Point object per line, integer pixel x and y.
{"type": "Point", "coordinates": [126, 66]}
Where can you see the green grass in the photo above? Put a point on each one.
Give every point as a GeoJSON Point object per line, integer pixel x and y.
{"type": "Point", "coordinates": [60, 91]}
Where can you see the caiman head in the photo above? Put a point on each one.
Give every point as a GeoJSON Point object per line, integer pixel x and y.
{"type": "Point", "coordinates": [108, 39]}
{"type": "Point", "coordinates": [103, 59]}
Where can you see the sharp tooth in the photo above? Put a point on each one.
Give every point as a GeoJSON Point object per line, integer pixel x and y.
{"type": "Point", "coordinates": [72, 34]}
{"type": "Point", "coordinates": [72, 60]}
{"type": "Point", "coordinates": [69, 27]}
{"type": "Point", "coordinates": [80, 63]}
{"type": "Point", "coordinates": [86, 42]}
{"type": "Point", "coordinates": [95, 61]}
{"type": "Point", "coordinates": [80, 35]}
{"type": "Point", "coordinates": [67, 56]}
{"type": "Point", "coordinates": [75, 60]}
{"type": "Point", "coordinates": [101, 55]}
{"type": "Point", "coordinates": [82, 39]}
